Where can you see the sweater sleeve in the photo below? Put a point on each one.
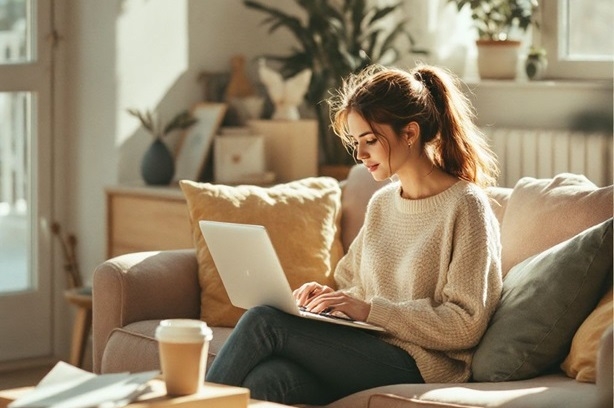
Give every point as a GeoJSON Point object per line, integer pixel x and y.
{"type": "Point", "coordinates": [468, 289]}
{"type": "Point", "coordinates": [345, 277]}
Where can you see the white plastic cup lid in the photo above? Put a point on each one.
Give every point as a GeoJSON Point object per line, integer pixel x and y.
{"type": "Point", "coordinates": [183, 331]}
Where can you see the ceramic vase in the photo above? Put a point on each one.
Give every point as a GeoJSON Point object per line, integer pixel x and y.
{"type": "Point", "coordinates": [158, 166]}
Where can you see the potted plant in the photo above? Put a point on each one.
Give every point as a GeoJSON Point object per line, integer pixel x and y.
{"type": "Point", "coordinates": [335, 38]}
{"type": "Point", "coordinates": [497, 22]}
{"type": "Point", "coordinates": [536, 63]}
{"type": "Point", "coordinates": [158, 165]}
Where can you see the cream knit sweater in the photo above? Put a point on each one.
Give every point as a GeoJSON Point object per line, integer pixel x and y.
{"type": "Point", "coordinates": [432, 272]}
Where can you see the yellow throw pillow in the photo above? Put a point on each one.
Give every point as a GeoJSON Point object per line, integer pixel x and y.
{"type": "Point", "coordinates": [303, 221]}
{"type": "Point", "coordinates": [582, 359]}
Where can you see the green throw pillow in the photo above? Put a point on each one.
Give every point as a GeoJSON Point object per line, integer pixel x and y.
{"type": "Point", "coordinates": [545, 299]}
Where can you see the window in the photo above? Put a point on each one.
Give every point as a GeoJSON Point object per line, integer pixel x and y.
{"type": "Point", "coordinates": [578, 37]}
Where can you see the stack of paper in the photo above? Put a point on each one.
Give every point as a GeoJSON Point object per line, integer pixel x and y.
{"type": "Point", "coordinates": [67, 386]}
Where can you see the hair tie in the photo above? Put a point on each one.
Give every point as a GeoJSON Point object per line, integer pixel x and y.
{"type": "Point", "coordinates": [427, 79]}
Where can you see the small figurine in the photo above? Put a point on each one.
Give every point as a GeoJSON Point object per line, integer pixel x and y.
{"type": "Point", "coordinates": [287, 94]}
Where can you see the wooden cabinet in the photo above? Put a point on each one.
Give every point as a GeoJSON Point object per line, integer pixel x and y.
{"type": "Point", "coordinates": [146, 219]}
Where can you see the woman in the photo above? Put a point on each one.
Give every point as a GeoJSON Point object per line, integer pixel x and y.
{"type": "Point", "coordinates": [425, 265]}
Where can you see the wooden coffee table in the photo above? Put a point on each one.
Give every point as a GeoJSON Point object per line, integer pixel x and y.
{"type": "Point", "coordinates": [157, 397]}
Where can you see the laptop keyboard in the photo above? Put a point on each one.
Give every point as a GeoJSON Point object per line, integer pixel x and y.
{"type": "Point", "coordinates": [327, 314]}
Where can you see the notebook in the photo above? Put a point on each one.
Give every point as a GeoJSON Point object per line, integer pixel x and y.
{"type": "Point", "coordinates": [251, 272]}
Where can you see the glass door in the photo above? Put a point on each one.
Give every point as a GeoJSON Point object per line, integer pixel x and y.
{"type": "Point", "coordinates": [25, 179]}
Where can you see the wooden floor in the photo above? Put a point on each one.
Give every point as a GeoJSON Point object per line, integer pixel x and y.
{"type": "Point", "coordinates": [23, 377]}
{"type": "Point", "coordinates": [26, 377]}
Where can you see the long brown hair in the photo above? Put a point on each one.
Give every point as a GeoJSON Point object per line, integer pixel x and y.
{"type": "Point", "coordinates": [430, 96]}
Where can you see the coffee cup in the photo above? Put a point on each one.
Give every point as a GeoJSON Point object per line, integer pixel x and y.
{"type": "Point", "coordinates": [183, 346]}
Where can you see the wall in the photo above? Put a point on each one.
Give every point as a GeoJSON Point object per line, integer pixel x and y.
{"type": "Point", "coordinates": [120, 57]}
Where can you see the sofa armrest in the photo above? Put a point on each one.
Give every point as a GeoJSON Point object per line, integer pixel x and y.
{"type": "Point", "coordinates": [142, 286]}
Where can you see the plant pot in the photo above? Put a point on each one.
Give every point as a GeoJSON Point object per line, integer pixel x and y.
{"type": "Point", "coordinates": [497, 59]}
{"type": "Point", "coordinates": [158, 166]}
{"type": "Point", "coordinates": [536, 66]}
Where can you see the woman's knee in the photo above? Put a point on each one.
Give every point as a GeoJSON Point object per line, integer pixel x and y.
{"type": "Point", "coordinates": [284, 381]}
{"type": "Point", "coordinates": [261, 316]}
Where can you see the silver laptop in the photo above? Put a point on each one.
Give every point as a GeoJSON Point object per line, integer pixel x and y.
{"type": "Point", "coordinates": [251, 272]}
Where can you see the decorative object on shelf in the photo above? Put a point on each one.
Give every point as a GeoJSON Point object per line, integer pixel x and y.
{"type": "Point", "coordinates": [239, 85]}
{"type": "Point", "coordinates": [195, 144]}
{"type": "Point", "coordinates": [286, 94]}
{"type": "Point", "coordinates": [336, 38]}
{"type": "Point", "coordinates": [245, 108]}
{"type": "Point", "coordinates": [214, 85]}
{"type": "Point", "coordinates": [536, 64]}
{"type": "Point", "coordinates": [238, 158]}
{"type": "Point", "coordinates": [157, 166]}
{"type": "Point", "coordinates": [290, 147]}
{"type": "Point", "coordinates": [244, 103]}
{"type": "Point", "coordinates": [496, 21]}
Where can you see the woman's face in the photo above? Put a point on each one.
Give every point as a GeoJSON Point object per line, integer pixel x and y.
{"type": "Point", "coordinates": [379, 148]}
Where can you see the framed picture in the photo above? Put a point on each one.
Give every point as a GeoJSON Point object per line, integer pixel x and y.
{"type": "Point", "coordinates": [196, 142]}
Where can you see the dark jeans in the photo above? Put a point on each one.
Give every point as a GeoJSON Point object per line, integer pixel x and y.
{"type": "Point", "coordinates": [292, 360]}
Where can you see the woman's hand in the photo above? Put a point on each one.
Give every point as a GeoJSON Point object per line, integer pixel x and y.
{"type": "Point", "coordinates": [318, 298]}
{"type": "Point", "coordinates": [308, 291]}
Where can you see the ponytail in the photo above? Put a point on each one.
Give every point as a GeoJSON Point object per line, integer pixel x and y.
{"type": "Point", "coordinates": [430, 96]}
{"type": "Point", "coordinates": [462, 149]}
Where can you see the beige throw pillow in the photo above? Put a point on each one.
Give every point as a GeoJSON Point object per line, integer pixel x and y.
{"type": "Point", "coordinates": [544, 212]}
{"type": "Point", "coordinates": [302, 218]}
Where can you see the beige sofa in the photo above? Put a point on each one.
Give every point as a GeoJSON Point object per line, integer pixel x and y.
{"type": "Point", "coordinates": [133, 292]}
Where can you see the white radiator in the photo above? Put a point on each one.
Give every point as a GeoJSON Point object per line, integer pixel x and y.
{"type": "Point", "coordinates": [546, 153]}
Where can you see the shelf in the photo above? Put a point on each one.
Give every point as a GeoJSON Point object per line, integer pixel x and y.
{"type": "Point", "coordinates": [542, 84]}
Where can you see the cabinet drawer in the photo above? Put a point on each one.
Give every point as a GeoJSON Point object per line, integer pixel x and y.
{"type": "Point", "coordinates": [146, 223]}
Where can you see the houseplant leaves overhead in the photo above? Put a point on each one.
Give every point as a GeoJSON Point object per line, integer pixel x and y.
{"type": "Point", "coordinates": [335, 38]}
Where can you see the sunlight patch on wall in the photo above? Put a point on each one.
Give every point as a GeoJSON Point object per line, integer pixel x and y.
{"type": "Point", "coordinates": [152, 53]}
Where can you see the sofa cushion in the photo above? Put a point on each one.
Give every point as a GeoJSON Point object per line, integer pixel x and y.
{"type": "Point", "coordinates": [395, 401]}
{"type": "Point", "coordinates": [544, 301]}
{"type": "Point", "coordinates": [498, 199]}
{"type": "Point", "coordinates": [544, 212]}
{"type": "Point", "coordinates": [134, 347]}
{"type": "Point", "coordinates": [302, 218]}
{"type": "Point", "coordinates": [552, 390]}
{"type": "Point", "coordinates": [581, 362]}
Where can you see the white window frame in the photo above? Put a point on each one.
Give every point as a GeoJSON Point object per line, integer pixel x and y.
{"type": "Point", "coordinates": [560, 67]}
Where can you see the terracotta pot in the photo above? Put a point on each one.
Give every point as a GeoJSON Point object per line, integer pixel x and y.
{"type": "Point", "coordinates": [497, 59]}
